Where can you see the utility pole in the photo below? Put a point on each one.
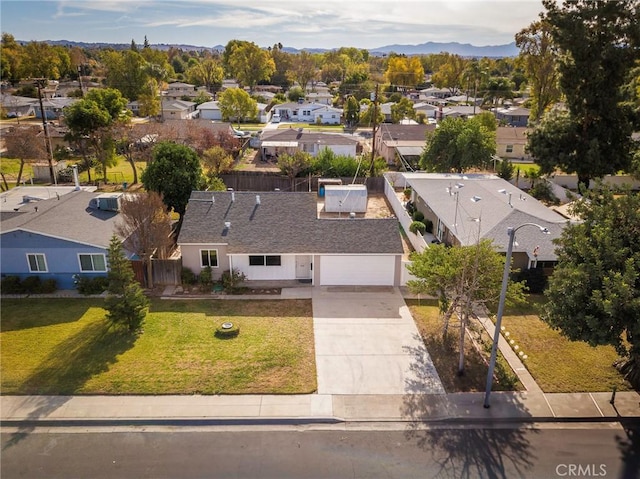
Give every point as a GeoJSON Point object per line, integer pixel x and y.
{"type": "Point", "coordinates": [80, 80]}
{"type": "Point", "coordinates": [373, 142]}
{"type": "Point", "coordinates": [40, 83]}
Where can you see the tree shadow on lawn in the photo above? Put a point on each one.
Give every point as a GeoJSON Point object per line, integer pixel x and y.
{"type": "Point", "coordinates": [236, 307]}
{"type": "Point", "coordinates": [26, 313]}
{"type": "Point", "coordinates": [67, 369]}
{"type": "Point", "coordinates": [77, 359]}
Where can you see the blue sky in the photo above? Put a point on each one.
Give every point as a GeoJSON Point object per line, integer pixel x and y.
{"type": "Point", "coordinates": [298, 24]}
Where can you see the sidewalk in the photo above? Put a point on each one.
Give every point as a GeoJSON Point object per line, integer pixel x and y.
{"type": "Point", "coordinates": [315, 408]}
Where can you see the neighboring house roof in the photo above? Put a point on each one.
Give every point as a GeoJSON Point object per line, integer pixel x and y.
{"type": "Point", "coordinates": [483, 206]}
{"type": "Point", "coordinates": [404, 133]}
{"type": "Point", "coordinates": [292, 134]}
{"type": "Point", "coordinates": [177, 105]}
{"type": "Point", "coordinates": [511, 135]}
{"type": "Point", "coordinates": [65, 217]}
{"type": "Point", "coordinates": [283, 222]}
{"type": "Point", "coordinates": [515, 111]}
{"type": "Point", "coordinates": [180, 86]}
{"type": "Point", "coordinates": [208, 105]}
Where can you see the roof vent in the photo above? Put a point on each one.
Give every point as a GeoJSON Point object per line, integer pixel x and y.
{"type": "Point", "coordinates": [257, 199]}
{"type": "Point", "coordinates": [227, 224]}
{"type": "Point", "coordinates": [476, 198]}
{"type": "Point", "coordinates": [352, 215]}
{"type": "Point", "coordinates": [233, 196]}
{"type": "Point", "coordinates": [213, 199]}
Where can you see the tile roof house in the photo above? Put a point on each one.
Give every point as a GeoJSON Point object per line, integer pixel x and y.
{"type": "Point", "coordinates": [58, 237]}
{"type": "Point", "coordinates": [278, 236]}
{"type": "Point", "coordinates": [465, 208]}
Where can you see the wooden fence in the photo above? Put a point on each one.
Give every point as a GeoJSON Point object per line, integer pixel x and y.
{"type": "Point", "coordinates": [165, 271]}
{"type": "Point", "coordinates": [263, 181]}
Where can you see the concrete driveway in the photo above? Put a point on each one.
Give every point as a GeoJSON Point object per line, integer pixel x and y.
{"type": "Point", "coordinates": [367, 343]}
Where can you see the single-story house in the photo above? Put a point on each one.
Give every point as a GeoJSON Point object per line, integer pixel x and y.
{"type": "Point", "coordinates": [178, 110]}
{"type": "Point", "coordinates": [278, 236]}
{"type": "Point", "coordinates": [429, 110]}
{"type": "Point", "coordinates": [17, 106]}
{"type": "Point", "coordinates": [466, 208]}
{"type": "Point", "coordinates": [58, 237]}
{"type": "Point", "coordinates": [289, 140]}
{"type": "Point", "coordinates": [53, 107]}
{"type": "Point", "coordinates": [392, 142]}
{"type": "Point", "coordinates": [511, 142]}
{"type": "Point", "coordinates": [514, 116]}
{"type": "Point", "coordinates": [308, 113]}
{"type": "Point", "coordinates": [210, 111]}
{"type": "Point", "coordinates": [179, 90]}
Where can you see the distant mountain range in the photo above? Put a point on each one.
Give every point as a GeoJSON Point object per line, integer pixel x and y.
{"type": "Point", "coordinates": [462, 49]}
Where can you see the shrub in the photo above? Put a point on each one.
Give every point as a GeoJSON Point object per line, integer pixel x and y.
{"type": "Point", "coordinates": [418, 216]}
{"type": "Point", "coordinates": [542, 191]}
{"type": "Point", "coordinates": [11, 285]}
{"type": "Point", "coordinates": [231, 280]}
{"type": "Point", "coordinates": [87, 285]}
{"type": "Point", "coordinates": [32, 285]}
{"type": "Point", "coordinates": [205, 279]}
{"type": "Point", "coordinates": [227, 333]}
{"type": "Point", "coordinates": [429, 226]}
{"type": "Point", "coordinates": [49, 286]}
{"type": "Point", "coordinates": [534, 279]}
{"type": "Point", "coordinates": [407, 193]}
{"type": "Point", "coordinates": [417, 227]}
{"type": "Point", "coordinates": [187, 276]}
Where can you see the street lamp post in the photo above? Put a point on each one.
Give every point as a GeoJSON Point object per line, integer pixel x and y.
{"type": "Point", "coordinates": [511, 232]}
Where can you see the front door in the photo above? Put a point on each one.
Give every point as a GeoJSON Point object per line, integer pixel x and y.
{"type": "Point", "coordinates": [303, 267]}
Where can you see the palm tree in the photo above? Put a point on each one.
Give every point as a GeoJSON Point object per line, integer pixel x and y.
{"type": "Point", "coordinates": [498, 89]}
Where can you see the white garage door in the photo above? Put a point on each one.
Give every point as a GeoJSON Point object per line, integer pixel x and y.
{"type": "Point", "coordinates": [357, 270]}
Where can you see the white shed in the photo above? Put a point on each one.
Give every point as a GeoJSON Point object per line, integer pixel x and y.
{"type": "Point", "coordinates": [345, 198]}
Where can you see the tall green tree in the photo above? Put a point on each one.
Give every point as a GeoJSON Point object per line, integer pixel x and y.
{"type": "Point", "coordinates": [93, 120]}
{"type": "Point", "coordinates": [126, 71]}
{"type": "Point", "coordinates": [125, 303]}
{"type": "Point", "coordinates": [598, 43]}
{"type": "Point", "coordinates": [293, 165]}
{"type": "Point", "coordinates": [401, 110]}
{"type": "Point", "coordinates": [458, 145]}
{"type": "Point", "coordinates": [462, 278]}
{"type": "Point", "coordinates": [303, 69]}
{"type": "Point", "coordinates": [208, 72]}
{"type": "Point", "coordinates": [249, 64]}
{"type": "Point", "coordinates": [174, 173]}
{"type": "Point", "coordinates": [237, 104]}
{"type": "Point", "coordinates": [594, 292]}
{"type": "Point", "coordinates": [352, 111]}
{"type": "Point", "coordinates": [539, 56]}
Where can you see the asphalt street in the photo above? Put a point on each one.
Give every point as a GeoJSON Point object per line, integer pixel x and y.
{"type": "Point", "coordinates": [392, 451]}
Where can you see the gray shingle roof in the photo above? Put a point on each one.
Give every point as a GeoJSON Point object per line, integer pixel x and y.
{"type": "Point", "coordinates": [283, 222]}
{"type": "Point", "coordinates": [68, 218]}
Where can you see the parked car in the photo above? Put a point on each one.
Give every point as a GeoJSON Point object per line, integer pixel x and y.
{"type": "Point", "coordinates": [275, 118]}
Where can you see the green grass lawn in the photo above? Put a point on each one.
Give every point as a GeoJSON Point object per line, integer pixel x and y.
{"type": "Point", "coordinates": [117, 175]}
{"type": "Point", "coordinates": [557, 364]}
{"type": "Point", "coordinates": [444, 354]}
{"type": "Point", "coordinates": [63, 346]}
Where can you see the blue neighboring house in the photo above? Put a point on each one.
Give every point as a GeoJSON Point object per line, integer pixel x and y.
{"type": "Point", "coordinates": [59, 238]}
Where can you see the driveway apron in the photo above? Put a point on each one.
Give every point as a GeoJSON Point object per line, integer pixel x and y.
{"type": "Point", "coordinates": [367, 343]}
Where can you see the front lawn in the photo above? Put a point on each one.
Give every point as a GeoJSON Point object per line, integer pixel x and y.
{"type": "Point", "coordinates": [63, 346]}
{"type": "Point", "coordinates": [444, 353]}
{"type": "Point", "coordinates": [557, 364]}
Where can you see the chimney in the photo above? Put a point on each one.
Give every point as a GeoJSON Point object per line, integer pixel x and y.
{"type": "Point", "coordinates": [75, 178]}
{"type": "Point", "coordinates": [257, 199]}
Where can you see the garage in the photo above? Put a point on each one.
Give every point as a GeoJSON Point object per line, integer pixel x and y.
{"type": "Point", "coordinates": [357, 270]}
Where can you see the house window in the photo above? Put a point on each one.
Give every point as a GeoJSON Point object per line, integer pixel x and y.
{"type": "Point", "coordinates": [440, 230]}
{"type": "Point", "coordinates": [37, 263]}
{"type": "Point", "coordinates": [209, 257]}
{"type": "Point", "coordinates": [92, 262]}
{"type": "Point", "coordinates": [509, 148]}
{"type": "Point", "coordinates": [269, 260]}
